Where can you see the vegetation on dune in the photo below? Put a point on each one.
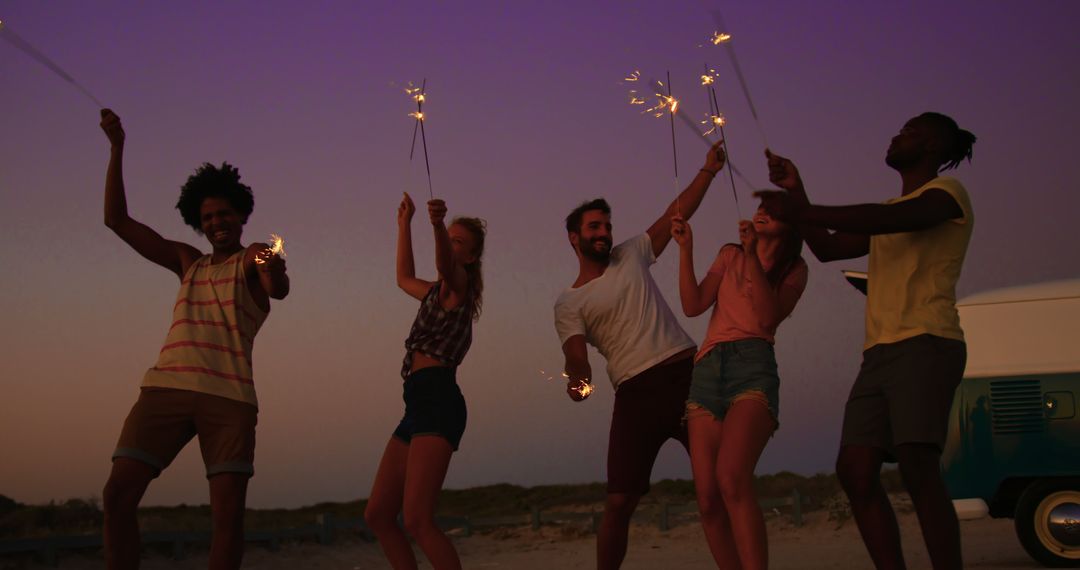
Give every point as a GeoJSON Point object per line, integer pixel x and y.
{"type": "Point", "coordinates": [84, 516]}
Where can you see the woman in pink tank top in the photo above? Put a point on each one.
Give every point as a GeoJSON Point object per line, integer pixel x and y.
{"type": "Point", "coordinates": [733, 405]}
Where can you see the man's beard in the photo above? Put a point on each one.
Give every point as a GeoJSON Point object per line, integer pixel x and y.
{"type": "Point", "coordinates": [590, 252]}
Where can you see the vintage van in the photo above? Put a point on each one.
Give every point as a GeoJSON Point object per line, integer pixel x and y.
{"type": "Point", "coordinates": [1013, 448]}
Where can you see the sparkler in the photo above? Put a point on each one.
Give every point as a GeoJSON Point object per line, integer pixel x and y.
{"type": "Point", "coordinates": [724, 39]}
{"type": "Point", "coordinates": [14, 39]}
{"type": "Point", "coordinates": [664, 104]}
{"type": "Point", "coordinates": [277, 247]}
{"type": "Point", "coordinates": [584, 390]}
{"type": "Point", "coordinates": [708, 80]}
{"type": "Point", "coordinates": [419, 95]}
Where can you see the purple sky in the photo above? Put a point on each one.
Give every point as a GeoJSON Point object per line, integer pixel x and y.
{"type": "Point", "coordinates": [527, 117]}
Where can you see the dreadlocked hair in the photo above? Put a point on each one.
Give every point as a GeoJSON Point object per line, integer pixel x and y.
{"type": "Point", "coordinates": [958, 142]}
{"type": "Point", "coordinates": [478, 229]}
{"type": "Point", "coordinates": [211, 181]}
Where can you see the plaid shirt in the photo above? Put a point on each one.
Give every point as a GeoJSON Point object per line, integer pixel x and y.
{"type": "Point", "coordinates": [441, 334]}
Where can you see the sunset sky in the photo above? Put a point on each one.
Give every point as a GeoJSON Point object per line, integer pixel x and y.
{"type": "Point", "coordinates": [527, 117]}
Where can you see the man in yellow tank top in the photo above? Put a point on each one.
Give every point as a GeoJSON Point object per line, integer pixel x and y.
{"type": "Point", "coordinates": [202, 384]}
{"type": "Point", "coordinates": [914, 352]}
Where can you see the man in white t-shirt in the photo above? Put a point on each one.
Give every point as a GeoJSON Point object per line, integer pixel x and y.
{"type": "Point", "coordinates": [616, 306]}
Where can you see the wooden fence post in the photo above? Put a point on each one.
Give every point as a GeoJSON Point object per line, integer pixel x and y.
{"type": "Point", "coordinates": [326, 528]}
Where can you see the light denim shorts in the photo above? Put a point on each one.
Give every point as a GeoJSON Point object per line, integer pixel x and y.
{"type": "Point", "coordinates": [733, 371]}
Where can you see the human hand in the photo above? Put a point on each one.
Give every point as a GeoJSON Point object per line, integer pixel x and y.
{"type": "Point", "coordinates": [681, 232]}
{"type": "Point", "coordinates": [110, 123]}
{"type": "Point", "coordinates": [405, 210]}
{"type": "Point", "coordinates": [715, 158]}
{"type": "Point", "coordinates": [782, 172]}
{"type": "Point", "coordinates": [748, 237]}
{"type": "Point", "coordinates": [436, 211]}
{"type": "Point", "coordinates": [578, 390]}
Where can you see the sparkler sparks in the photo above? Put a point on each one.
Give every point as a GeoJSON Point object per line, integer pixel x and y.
{"type": "Point", "coordinates": [419, 94]}
{"type": "Point", "coordinates": [277, 248]}
{"type": "Point", "coordinates": [719, 38]}
{"type": "Point", "coordinates": [583, 390]}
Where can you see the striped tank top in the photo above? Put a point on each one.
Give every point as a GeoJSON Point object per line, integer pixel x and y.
{"type": "Point", "coordinates": [215, 319]}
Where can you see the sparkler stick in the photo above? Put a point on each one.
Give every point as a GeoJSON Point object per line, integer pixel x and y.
{"type": "Point", "coordinates": [674, 154]}
{"type": "Point", "coordinates": [14, 39]}
{"type": "Point", "coordinates": [584, 390]}
{"type": "Point", "coordinates": [419, 95]}
{"type": "Point", "coordinates": [725, 39]}
{"type": "Point", "coordinates": [718, 121]}
{"type": "Point", "coordinates": [692, 126]}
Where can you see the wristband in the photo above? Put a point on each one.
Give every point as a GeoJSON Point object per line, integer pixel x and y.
{"type": "Point", "coordinates": [711, 173]}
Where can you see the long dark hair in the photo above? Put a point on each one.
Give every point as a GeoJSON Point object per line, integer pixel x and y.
{"type": "Point", "coordinates": [787, 257]}
{"type": "Point", "coordinates": [478, 229]}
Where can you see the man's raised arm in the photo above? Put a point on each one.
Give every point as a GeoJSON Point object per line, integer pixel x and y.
{"type": "Point", "coordinates": [174, 256]}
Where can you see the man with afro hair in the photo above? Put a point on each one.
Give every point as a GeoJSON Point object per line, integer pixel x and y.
{"type": "Point", "coordinates": [202, 382]}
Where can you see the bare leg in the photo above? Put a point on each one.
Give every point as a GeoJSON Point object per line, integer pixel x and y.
{"type": "Point", "coordinates": [920, 465]}
{"type": "Point", "coordinates": [747, 427]}
{"type": "Point", "coordinates": [228, 497]}
{"type": "Point", "coordinates": [705, 434]}
{"type": "Point", "coordinates": [429, 458]}
{"type": "Point", "coordinates": [127, 483]}
{"type": "Point", "coordinates": [384, 504]}
{"type": "Point", "coordinates": [615, 530]}
{"type": "Point", "coordinates": [859, 469]}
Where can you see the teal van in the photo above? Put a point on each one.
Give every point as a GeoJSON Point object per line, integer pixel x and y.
{"type": "Point", "coordinates": [1013, 448]}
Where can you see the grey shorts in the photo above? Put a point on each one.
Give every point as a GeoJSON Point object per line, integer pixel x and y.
{"type": "Point", "coordinates": [735, 370]}
{"type": "Point", "coordinates": [904, 393]}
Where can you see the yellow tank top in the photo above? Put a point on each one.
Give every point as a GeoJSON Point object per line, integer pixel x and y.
{"type": "Point", "coordinates": [911, 287]}
{"type": "Point", "coordinates": [215, 320]}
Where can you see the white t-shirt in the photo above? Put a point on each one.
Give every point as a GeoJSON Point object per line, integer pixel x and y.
{"type": "Point", "coordinates": [623, 314]}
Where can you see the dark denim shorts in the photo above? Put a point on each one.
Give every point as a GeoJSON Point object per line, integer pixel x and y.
{"type": "Point", "coordinates": [433, 406]}
{"type": "Point", "coordinates": [734, 370]}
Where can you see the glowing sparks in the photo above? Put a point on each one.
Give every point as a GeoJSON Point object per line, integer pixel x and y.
{"type": "Point", "coordinates": [277, 247]}
{"type": "Point", "coordinates": [714, 122]}
{"type": "Point", "coordinates": [584, 389]}
{"type": "Point", "coordinates": [634, 76]}
{"type": "Point", "coordinates": [419, 116]}
{"type": "Point", "coordinates": [719, 38]}
{"type": "Point", "coordinates": [662, 104]}
{"type": "Point", "coordinates": [709, 77]}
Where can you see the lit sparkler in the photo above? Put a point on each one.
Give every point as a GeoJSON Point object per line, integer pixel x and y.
{"type": "Point", "coordinates": [708, 80]}
{"type": "Point", "coordinates": [14, 39]}
{"type": "Point", "coordinates": [664, 103]}
{"type": "Point", "coordinates": [277, 247]}
{"type": "Point", "coordinates": [419, 94]}
{"type": "Point", "coordinates": [583, 390]}
{"type": "Point", "coordinates": [721, 38]}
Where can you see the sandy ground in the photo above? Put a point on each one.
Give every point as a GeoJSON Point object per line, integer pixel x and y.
{"type": "Point", "coordinates": [988, 544]}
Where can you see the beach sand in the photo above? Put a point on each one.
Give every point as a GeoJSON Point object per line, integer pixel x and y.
{"type": "Point", "coordinates": [819, 543]}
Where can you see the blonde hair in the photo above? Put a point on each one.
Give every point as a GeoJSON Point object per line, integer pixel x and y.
{"type": "Point", "coordinates": [478, 228]}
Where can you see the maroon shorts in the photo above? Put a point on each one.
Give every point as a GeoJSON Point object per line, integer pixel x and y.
{"type": "Point", "coordinates": [649, 410]}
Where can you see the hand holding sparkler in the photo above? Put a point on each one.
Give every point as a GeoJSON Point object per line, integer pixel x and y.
{"type": "Point", "coordinates": [405, 210]}
{"type": "Point", "coordinates": [783, 172]}
{"type": "Point", "coordinates": [579, 390]}
{"type": "Point", "coordinates": [715, 158]}
{"type": "Point", "coordinates": [682, 233]}
{"type": "Point", "coordinates": [110, 123]}
{"type": "Point", "coordinates": [748, 237]}
{"type": "Point", "coordinates": [271, 259]}
{"type": "Point", "coordinates": [437, 212]}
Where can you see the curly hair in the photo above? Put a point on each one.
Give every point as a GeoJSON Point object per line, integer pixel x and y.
{"type": "Point", "coordinates": [478, 228]}
{"type": "Point", "coordinates": [211, 181]}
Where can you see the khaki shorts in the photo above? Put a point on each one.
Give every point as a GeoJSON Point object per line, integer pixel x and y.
{"type": "Point", "coordinates": [904, 393]}
{"type": "Point", "coordinates": [163, 420]}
